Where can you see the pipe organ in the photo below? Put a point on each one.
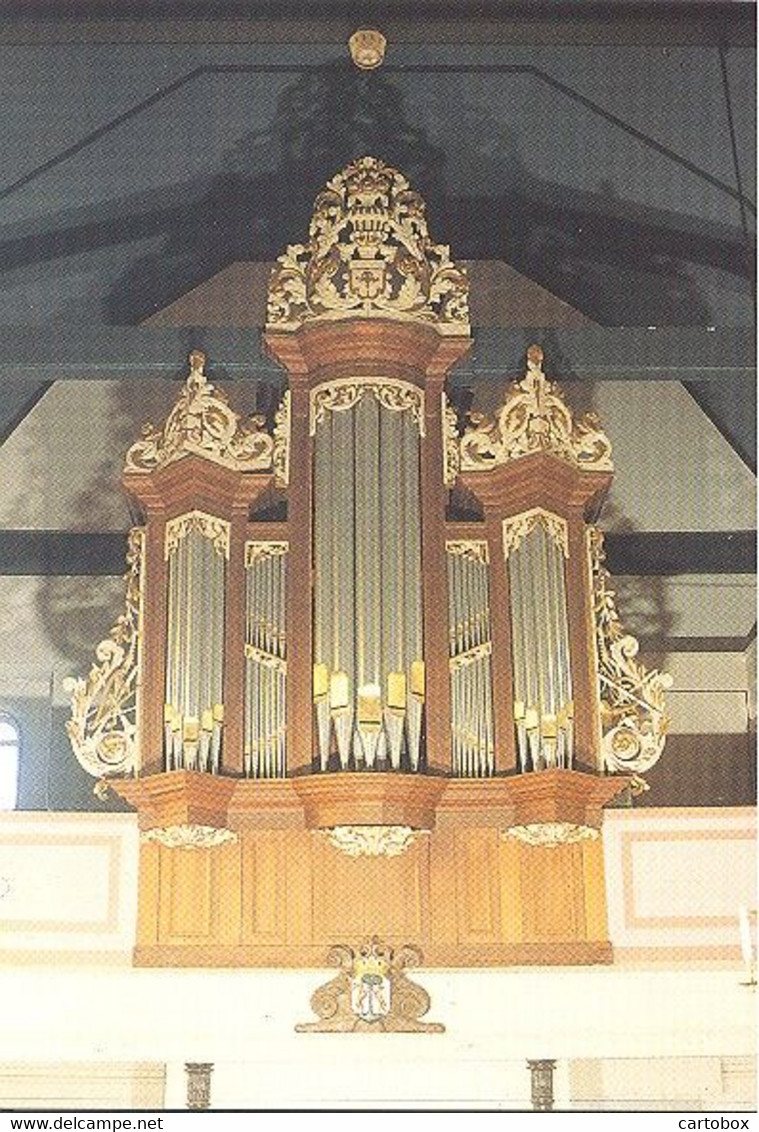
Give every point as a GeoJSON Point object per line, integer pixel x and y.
{"type": "Point", "coordinates": [371, 716]}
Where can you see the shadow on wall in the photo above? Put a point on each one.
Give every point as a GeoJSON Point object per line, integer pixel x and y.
{"type": "Point", "coordinates": [600, 254]}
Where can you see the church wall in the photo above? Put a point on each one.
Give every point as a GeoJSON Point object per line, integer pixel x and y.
{"type": "Point", "coordinates": [611, 1031]}
{"type": "Point", "coordinates": [68, 887]}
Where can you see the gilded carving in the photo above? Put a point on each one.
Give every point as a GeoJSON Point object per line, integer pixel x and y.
{"type": "Point", "coordinates": [369, 254]}
{"type": "Point", "coordinates": [516, 529]}
{"type": "Point", "coordinates": [371, 840]}
{"type": "Point", "coordinates": [343, 393]}
{"type": "Point", "coordinates": [474, 549]}
{"type": "Point", "coordinates": [534, 418]}
{"type": "Point", "coordinates": [549, 834]}
{"type": "Point", "coordinates": [372, 993]}
{"type": "Point", "coordinates": [103, 724]}
{"type": "Point", "coordinates": [633, 717]}
{"type": "Point", "coordinates": [266, 548]}
{"type": "Point", "coordinates": [451, 453]}
{"type": "Point", "coordinates": [202, 424]}
{"type": "Point", "coordinates": [188, 836]}
{"type": "Point", "coordinates": [469, 656]}
{"type": "Point", "coordinates": [210, 526]}
{"type": "Point", "coordinates": [280, 456]}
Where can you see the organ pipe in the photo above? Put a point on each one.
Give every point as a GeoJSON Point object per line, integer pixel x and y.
{"type": "Point", "coordinates": [197, 546]}
{"type": "Point", "coordinates": [470, 649]}
{"type": "Point", "coordinates": [368, 668]}
{"type": "Point", "coordinates": [265, 660]}
{"type": "Point", "coordinates": [536, 547]}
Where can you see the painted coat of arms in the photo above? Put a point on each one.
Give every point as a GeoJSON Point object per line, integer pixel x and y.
{"type": "Point", "coordinates": [371, 993]}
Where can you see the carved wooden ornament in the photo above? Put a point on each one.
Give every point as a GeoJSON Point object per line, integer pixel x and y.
{"type": "Point", "coordinates": [372, 993]}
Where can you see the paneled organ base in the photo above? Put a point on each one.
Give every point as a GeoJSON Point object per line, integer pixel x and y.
{"type": "Point", "coordinates": [280, 895]}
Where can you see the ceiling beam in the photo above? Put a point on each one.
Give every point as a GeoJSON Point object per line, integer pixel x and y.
{"type": "Point", "coordinates": [592, 353]}
{"type": "Point", "coordinates": [17, 399]}
{"type": "Point", "coordinates": [734, 418]}
{"type": "Point", "coordinates": [27, 552]}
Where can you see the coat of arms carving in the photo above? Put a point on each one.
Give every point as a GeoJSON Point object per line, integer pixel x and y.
{"type": "Point", "coordinates": [371, 993]}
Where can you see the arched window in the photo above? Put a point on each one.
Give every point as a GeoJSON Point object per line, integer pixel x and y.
{"type": "Point", "coordinates": [9, 754]}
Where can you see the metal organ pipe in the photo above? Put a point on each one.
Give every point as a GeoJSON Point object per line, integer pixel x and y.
{"type": "Point", "coordinates": [543, 707]}
{"type": "Point", "coordinates": [368, 660]}
{"type": "Point", "coordinates": [266, 660]}
{"type": "Point", "coordinates": [470, 664]}
{"type": "Point", "coordinates": [196, 548]}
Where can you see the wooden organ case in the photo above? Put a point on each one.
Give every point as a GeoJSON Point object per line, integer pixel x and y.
{"type": "Point", "coordinates": [369, 717]}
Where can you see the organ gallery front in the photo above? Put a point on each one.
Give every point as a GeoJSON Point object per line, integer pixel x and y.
{"type": "Point", "coordinates": [401, 709]}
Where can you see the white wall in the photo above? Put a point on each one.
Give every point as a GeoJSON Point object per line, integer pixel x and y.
{"type": "Point", "coordinates": [70, 996]}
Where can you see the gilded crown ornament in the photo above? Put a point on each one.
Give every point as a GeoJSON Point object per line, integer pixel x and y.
{"type": "Point", "coordinates": [202, 424]}
{"type": "Point", "coordinates": [369, 255]}
{"type": "Point", "coordinates": [534, 418]}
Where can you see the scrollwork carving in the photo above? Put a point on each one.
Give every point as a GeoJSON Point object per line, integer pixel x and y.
{"type": "Point", "coordinates": [371, 840]}
{"type": "Point", "coordinates": [369, 254]}
{"type": "Point", "coordinates": [202, 424]}
{"type": "Point", "coordinates": [474, 549]}
{"type": "Point", "coordinates": [516, 529]}
{"type": "Point", "coordinates": [549, 835]}
{"type": "Point", "coordinates": [342, 394]}
{"type": "Point", "coordinates": [451, 453]}
{"type": "Point", "coordinates": [280, 457]}
{"type": "Point", "coordinates": [189, 836]}
{"type": "Point", "coordinates": [210, 526]}
{"type": "Point", "coordinates": [371, 992]}
{"type": "Point", "coordinates": [533, 418]}
{"type": "Point", "coordinates": [103, 724]}
{"type": "Point", "coordinates": [633, 715]}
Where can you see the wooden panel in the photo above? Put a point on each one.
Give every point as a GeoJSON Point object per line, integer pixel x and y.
{"type": "Point", "coordinates": [552, 897]}
{"type": "Point", "coordinates": [148, 893]}
{"type": "Point", "coordinates": [443, 917]}
{"type": "Point", "coordinates": [341, 887]}
{"type": "Point", "coordinates": [226, 892]}
{"type": "Point", "coordinates": [186, 909]}
{"type": "Point", "coordinates": [399, 894]}
{"type": "Point", "coordinates": [298, 901]}
{"type": "Point", "coordinates": [365, 895]}
{"type": "Point", "coordinates": [594, 889]}
{"type": "Point", "coordinates": [511, 890]}
{"type": "Point", "coordinates": [465, 894]}
{"type": "Point", "coordinates": [263, 887]}
{"type": "Point", "coordinates": [477, 886]}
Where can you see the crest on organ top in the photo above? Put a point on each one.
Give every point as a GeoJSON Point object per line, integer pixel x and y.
{"type": "Point", "coordinates": [369, 254]}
